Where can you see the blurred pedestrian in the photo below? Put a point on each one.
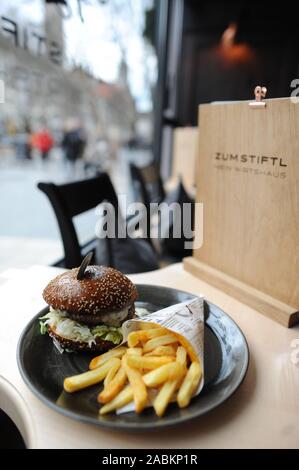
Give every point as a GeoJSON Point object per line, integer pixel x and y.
{"type": "Point", "coordinates": [28, 147]}
{"type": "Point", "coordinates": [43, 141]}
{"type": "Point", "coordinates": [73, 145]}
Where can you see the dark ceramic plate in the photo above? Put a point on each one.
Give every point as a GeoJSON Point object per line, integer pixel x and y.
{"type": "Point", "coordinates": [43, 368]}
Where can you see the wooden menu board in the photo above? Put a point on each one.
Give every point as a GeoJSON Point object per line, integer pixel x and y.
{"type": "Point", "coordinates": [248, 180]}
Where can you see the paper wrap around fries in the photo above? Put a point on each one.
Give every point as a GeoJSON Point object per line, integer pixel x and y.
{"type": "Point", "coordinates": [185, 319]}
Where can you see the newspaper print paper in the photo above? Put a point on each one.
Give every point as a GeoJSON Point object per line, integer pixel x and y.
{"type": "Point", "coordinates": [186, 319]}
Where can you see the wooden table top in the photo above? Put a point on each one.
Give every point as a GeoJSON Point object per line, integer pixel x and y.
{"type": "Point", "coordinates": [263, 413]}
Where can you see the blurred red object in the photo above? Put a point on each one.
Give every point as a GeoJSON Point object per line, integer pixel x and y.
{"type": "Point", "coordinates": [42, 140]}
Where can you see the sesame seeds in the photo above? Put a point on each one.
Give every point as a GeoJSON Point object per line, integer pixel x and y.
{"type": "Point", "coordinates": [102, 289]}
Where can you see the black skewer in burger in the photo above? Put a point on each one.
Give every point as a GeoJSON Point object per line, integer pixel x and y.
{"type": "Point", "coordinates": [88, 305]}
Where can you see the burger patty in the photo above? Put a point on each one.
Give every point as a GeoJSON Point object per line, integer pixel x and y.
{"type": "Point", "coordinates": [110, 319]}
{"type": "Point", "coordinates": [100, 345]}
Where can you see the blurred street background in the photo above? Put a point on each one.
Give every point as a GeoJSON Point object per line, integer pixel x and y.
{"type": "Point", "coordinates": [78, 83]}
{"type": "Point", "coordinates": [88, 86]}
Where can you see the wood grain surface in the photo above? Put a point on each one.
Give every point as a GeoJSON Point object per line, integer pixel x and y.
{"type": "Point", "coordinates": [248, 181]}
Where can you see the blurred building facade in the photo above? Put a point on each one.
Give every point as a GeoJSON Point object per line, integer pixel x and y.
{"type": "Point", "coordinates": [41, 92]}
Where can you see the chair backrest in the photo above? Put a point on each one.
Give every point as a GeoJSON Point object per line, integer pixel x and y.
{"type": "Point", "coordinates": [149, 183]}
{"type": "Point", "coordinates": [71, 199]}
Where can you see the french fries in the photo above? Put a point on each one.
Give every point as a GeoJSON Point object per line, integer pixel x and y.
{"type": "Point", "coordinates": [134, 352]}
{"type": "Point", "coordinates": [151, 362]}
{"type": "Point", "coordinates": [164, 373]}
{"type": "Point", "coordinates": [159, 341]}
{"type": "Point", "coordinates": [137, 384]}
{"type": "Point", "coordinates": [170, 386]}
{"type": "Point", "coordinates": [189, 348]}
{"type": "Point", "coordinates": [99, 360]}
{"type": "Point", "coordinates": [114, 387]}
{"type": "Point", "coordinates": [156, 359]}
{"type": "Point", "coordinates": [181, 356]}
{"type": "Point", "coordinates": [162, 351]}
{"type": "Point", "coordinates": [112, 372]}
{"type": "Point", "coordinates": [122, 399]}
{"type": "Point", "coordinates": [147, 325]}
{"type": "Point", "coordinates": [164, 396]}
{"type": "Point", "coordinates": [92, 377]}
{"type": "Point", "coordinates": [189, 385]}
{"type": "Point", "coordinates": [135, 337]}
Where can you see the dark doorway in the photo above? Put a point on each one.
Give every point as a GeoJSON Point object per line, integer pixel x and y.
{"type": "Point", "coordinates": [219, 51]}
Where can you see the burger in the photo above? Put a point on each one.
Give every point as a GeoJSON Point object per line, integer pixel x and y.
{"type": "Point", "coordinates": [86, 312]}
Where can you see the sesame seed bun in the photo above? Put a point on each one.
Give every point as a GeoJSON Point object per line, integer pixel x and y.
{"type": "Point", "coordinates": [102, 290]}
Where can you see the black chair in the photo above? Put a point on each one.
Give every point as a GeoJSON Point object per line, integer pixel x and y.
{"type": "Point", "coordinates": [148, 188]}
{"type": "Point", "coordinates": [147, 183]}
{"type": "Point", "coordinates": [129, 255]}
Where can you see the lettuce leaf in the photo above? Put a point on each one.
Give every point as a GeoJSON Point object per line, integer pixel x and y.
{"type": "Point", "coordinates": [70, 329]}
{"type": "Point", "coordinates": [42, 327]}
